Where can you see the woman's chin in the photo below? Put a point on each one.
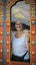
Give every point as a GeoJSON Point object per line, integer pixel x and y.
{"type": "Point", "coordinates": [18, 29]}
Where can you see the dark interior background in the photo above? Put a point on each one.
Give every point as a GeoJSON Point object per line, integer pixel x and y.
{"type": "Point", "coordinates": [23, 25]}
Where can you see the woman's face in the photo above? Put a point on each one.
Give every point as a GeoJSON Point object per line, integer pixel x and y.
{"type": "Point", "coordinates": [18, 26]}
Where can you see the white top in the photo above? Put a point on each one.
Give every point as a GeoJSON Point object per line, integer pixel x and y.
{"type": "Point", "coordinates": [19, 45]}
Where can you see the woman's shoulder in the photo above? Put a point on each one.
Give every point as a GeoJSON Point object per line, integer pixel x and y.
{"type": "Point", "coordinates": [27, 34]}
{"type": "Point", "coordinates": [25, 31]}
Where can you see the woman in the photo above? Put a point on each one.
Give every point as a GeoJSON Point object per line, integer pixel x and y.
{"type": "Point", "coordinates": [19, 44]}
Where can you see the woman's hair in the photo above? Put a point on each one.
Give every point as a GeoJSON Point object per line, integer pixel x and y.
{"type": "Point", "coordinates": [18, 21]}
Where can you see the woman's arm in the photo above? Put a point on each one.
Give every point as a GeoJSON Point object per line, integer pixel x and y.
{"type": "Point", "coordinates": [27, 39]}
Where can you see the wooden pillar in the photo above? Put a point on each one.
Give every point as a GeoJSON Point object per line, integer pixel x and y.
{"type": "Point", "coordinates": [33, 35]}
{"type": "Point", "coordinates": [1, 32]}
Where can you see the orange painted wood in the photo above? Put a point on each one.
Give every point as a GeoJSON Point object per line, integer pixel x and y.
{"type": "Point", "coordinates": [1, 46]}
{"type": "Point", "coordinates": [33, 28]}
{"type": "Point", "coordinates": [8, 29]}
{"type": "Point", "coordinates": [1, 21]}
{"type": "Point", "coordinates": [1, 4]}
{"type": "Point", "coordinates": [1, 63]}
{"type": "Point", "coordinates": [7, 56]}
{"type": "Point", "coordinates": [33, 48]}
{"type": "Point", "coordinates": [34, 58]}
{"type": "Point", "coordinates": [35, 20]}
{"type": "Point", "coordinates": [1, 37]}
{"type": "Point", "coordinates": [7, 42]}
{"type": "Point", "coordinates": [7, 63]}
{"type": "Point", "coordinates": [1, 56]}
{"type": "Point", "coordinates": [18, 63]}
{"type": "Point", "coordinates": [33, 37]}
{"type": "Point", "coordinates": [8, 47]}
{"type": "Point", "coordinates": [1, 29]}
{"type": "Point", "coordinates": [8, 38]}
{"type": "Point", "coordinates": [7, 21]}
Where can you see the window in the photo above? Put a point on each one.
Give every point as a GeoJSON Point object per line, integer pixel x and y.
{"type": "Point", "coordinates": [20, 32]}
